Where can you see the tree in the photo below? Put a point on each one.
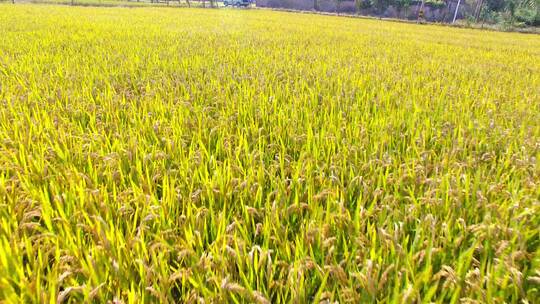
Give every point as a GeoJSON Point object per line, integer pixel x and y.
{"type": "Point", "coordinates": [525, 11]}
{"type": "Point", "coordinates": [420, 15]}
{"type": "Point", "coordinates": [496, 5]}
{"type": "Point", "coordinates": [338, 5]}
{"type": "Point", "coordinates": [381, 5]}
{"type": "Point", "coordinates": [400, 5]}
{"type": "Point", "coordinates": [478, 9]}
{"type": "Point", "coordinates": [511, 7]}
{"type": "Point", "coordinates": [363, 4]}
{"type": "Point", "coordinates": [448, 4]}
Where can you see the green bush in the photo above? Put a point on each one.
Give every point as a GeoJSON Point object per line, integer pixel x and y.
{"type": "Point", "coordinates": [527, 16]}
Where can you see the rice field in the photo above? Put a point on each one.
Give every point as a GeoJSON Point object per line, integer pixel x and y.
{"type": "Point", "coordinates": [156, 155]}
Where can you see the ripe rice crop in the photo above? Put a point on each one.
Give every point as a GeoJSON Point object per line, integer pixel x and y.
{"type": "Point", "coordinates": [248, 156]}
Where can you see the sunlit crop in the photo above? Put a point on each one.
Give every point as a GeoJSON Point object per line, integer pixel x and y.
{"type": "Point", "coordinates": [248, 156]}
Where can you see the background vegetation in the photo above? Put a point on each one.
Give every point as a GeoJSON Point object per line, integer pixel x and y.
{"type": "Point", "coordinates": [507, 13]}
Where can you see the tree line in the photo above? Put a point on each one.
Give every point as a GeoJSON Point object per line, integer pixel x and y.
{"type": "Point", "coordinates": [514, 12]}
